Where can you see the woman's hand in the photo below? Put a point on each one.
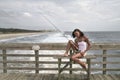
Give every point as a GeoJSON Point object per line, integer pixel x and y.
{"type": "Point", "coordinates": [66, 54]}
{"type": "Point", "coordinates": [82, 53]}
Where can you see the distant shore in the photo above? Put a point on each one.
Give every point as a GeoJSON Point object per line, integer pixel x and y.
{"type": "Point", "coordinates": [6, 33]}
{"type": "Point", "coordinates": [13, 35]}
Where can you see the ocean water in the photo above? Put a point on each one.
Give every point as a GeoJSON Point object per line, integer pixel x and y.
{"type": "Point", "coordinates": [57, 37]}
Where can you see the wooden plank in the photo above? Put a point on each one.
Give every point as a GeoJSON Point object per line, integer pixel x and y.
{"type": "Point", "coordinates": [96, 77]}
{"type": "Point", "coordinates": [89, 57]}
{"type": "Point", "coordinates": [107, 77]}
{"type": "Point", "coordinates": [108, 69]}
{"type": "Point", "coordinates": [10, 76]}
{"type": "Point", "coordinates": [114, 77]}
{"type": "Point", "coordinates": [17, 77]}
{"type": "Point", "coordinates": [52, 55]}
{"type": "Point", "coordinates": [56, 46]}
{"type": "Point", "coordinates": [53, 77]}
{"type": "Point", "coordinates": [102, 76]}
{"type": "Point", "coordinates": [6, 77]}
{"type": "Point", "coordinates": [20, 55]}
{"type": "Point", "coordinates": [23, 62]}
{"type": "Point", "coordinates": [59, 67]}
{"type": "Point", "coordinates": [29, 76]}
{"type": "Point", "coordinates": [3, 76]}
{"type": "Point", "coordinates": [70, 72]}
{"type": "Point", "coordinates": [4, 59]}
{"type": "Point", "coordinates": [21, 77]}
{"type": "Point", "coordinates": [104, 60]}
{"type": "Point", "coordinates": [47, 77]}
{"type": "Point", "coordinates": [73, 69]}
{"type": "Point", "coordinates": [107, 55]}
{"type": "Point", "coordinates": [68, 57]}
{"type": "Point", "coordinates": [92, 77]}
{"type": "Point", "coordinates": [38, 77]}
{"type": "Point", "coordinates": [32, 62]}
{"type": "Point", "coordinates": [113, 69]}
{"type": "Point", "coordinates": [36, 61]}
{"type": "Point", "coordinates": [89, 68]}
{"type": "Point", "coordinates": [28, 46]}
{"type": "Point", "coordinates": [55, 62]}
{"type": "Point", "coordinates": [117, 75]}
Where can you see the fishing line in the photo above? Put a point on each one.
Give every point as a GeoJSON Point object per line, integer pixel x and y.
{"type": "Point", "coordinates": [46, 18]}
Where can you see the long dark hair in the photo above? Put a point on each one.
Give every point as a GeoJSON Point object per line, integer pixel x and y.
{"type": "Point", "coordinates": [81, 33]}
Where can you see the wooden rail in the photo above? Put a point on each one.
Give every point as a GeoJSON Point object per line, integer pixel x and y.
{"type": "Point", "coordinates": [54, 46]}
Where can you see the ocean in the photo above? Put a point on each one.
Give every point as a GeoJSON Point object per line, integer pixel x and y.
{"type": "Point", "coordinates": [57, 37]}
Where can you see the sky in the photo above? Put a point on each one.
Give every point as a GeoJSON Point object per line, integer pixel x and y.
{"type": "Point", "coordinates": [66, 15]}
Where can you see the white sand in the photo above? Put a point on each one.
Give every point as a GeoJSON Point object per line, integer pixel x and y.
{"type": "Point", "coordinates": [13, 35]}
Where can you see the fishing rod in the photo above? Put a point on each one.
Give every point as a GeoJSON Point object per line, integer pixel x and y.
{"type": "Point", "coordinates": [60, 32]}
{"type": "Point", "coordinates": [45, 17]}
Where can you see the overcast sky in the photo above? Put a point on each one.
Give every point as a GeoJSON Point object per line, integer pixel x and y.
{"type": "Point", "coordinates": [87, 15]}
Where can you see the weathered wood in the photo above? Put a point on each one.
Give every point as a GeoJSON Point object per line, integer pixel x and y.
{"type": "Point", "coordinates": [66, 69]}
{"type": "Point", "coordinates": [107, 77]}
{"type": "Point", "coordinates": [104, 60]}
{"type": "Point", "coordinates": [36, 61]}
{"type": "Point", "coordinates": [56, 62]}
{"type": "Point", "coordinates": [23, 76]}
{"type": "Point", "coordinates": [68, 57]}
{"type": "Point", "coordinates": [114, 77]}
{"type": "Point", "coordinates": [89, 68]}
{"type": "Point", "coordinates": [5, 60]}
{"type": "Point", "coordinates": [52, 55]}
{"type": "Point", "coordinates": [70, 62]}
{"type": "Point", "coordinates": [107, 55]}
{"type": "Point", "coordinates": [56, 46]}
{"type": "Point", "coordinates": [28, 46]}
{"type": "Point", "coordinates": [59, 64]}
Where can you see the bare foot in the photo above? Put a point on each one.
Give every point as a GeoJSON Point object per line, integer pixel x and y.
{"type": "Point", "coordinates": [65, 54]}
{"type": "Point", "coordinates": [84, 66]}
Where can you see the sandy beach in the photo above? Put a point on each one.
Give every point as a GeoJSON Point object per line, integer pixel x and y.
{"type": "Point", "coordinates": [13, 35]}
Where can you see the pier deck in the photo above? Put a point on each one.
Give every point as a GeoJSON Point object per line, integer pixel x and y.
{"type": "Point", "coordinates": [29, 76]}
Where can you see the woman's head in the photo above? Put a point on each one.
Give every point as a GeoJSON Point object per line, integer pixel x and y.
{"type": "Point", "coordinates": [77, 33]}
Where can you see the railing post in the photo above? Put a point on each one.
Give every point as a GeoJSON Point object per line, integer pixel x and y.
{"type": "Point", "coordinates": [104, 60]}
{"type": "Point", "coordinates": [89, 68]}
{"type": "Point", "coordinates": [36, 61]}
{"type": "Point", "coordinates": [4, 61]}
{"type": "Point", "coordinates": [70, 62]}
{"type": "Point", "coordinates": [36, 50]}
{"type": "Point", "coordinates": [59, 64]}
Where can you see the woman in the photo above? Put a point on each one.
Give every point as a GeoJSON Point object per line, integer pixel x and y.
{"type": "Point", "coordinates": [81, 44]}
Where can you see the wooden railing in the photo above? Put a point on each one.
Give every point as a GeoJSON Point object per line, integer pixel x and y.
{"type": "Point", "coordinates": [54, 46]}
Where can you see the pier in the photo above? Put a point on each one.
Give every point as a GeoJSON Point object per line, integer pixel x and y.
{"type": "Point", "coordinates": [103, 47]}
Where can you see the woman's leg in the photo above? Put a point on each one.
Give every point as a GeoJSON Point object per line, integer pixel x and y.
{"type": "Point", "coordinates": [76, 57]}
{"type": "Point", "coordinates": [72, 45]}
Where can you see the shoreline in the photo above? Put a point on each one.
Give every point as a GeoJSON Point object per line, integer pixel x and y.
{"type": "Point", "coordinates": [14, 35]}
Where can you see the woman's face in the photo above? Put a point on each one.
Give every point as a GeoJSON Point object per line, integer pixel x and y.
{"type": "Point", "coordinates": [77, 34]}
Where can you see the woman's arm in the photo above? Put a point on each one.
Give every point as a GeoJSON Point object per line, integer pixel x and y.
{"type": "Point", "coordinates": [88, 44]}
{"type": "Point", "coordinates": [76, 43]}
